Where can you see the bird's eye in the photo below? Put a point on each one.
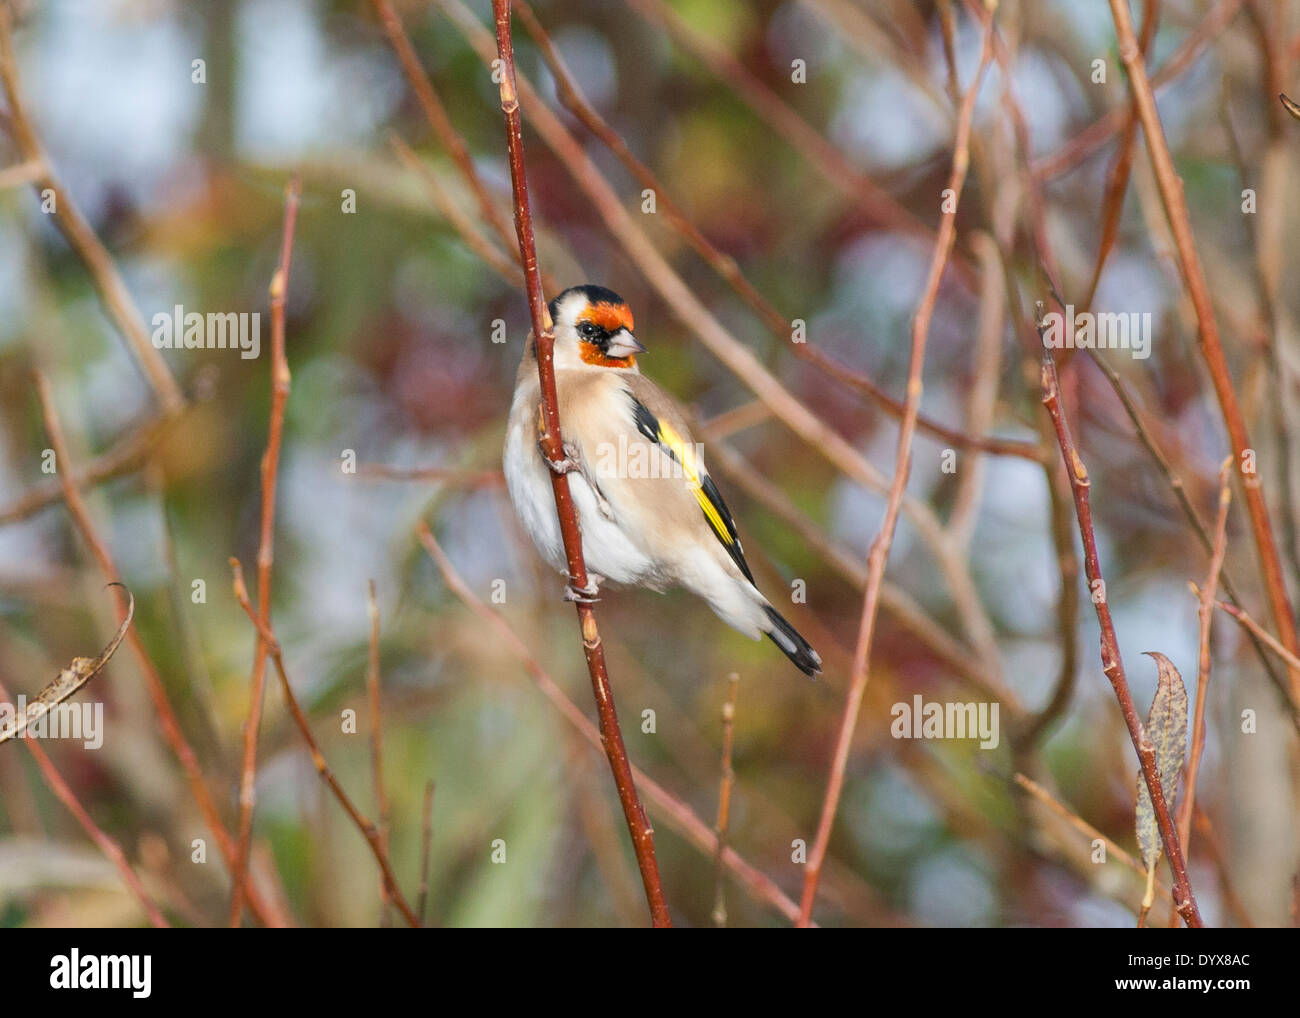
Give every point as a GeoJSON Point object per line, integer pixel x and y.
{"type": "Point", "coordinates": [587, 330]}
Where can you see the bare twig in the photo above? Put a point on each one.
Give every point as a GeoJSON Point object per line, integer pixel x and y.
{"type": "Point", "coordinates": [1100, 131]}
{"type": "Point", "coordinates": [111, 849]}
{"type": "Point", "coordinates": [638, 824]}
{"type": "Point", "coordinates": [436, 114]}
{"type": "Point", "coordinates": [171, 729]}
{"type": "Point", "coordinates": [1205, 616]}
{"type": "Point", "coordinates": [127, 454]}
{"type": "Point", "coordinates": [1175, 205]}
{"type": "Point", "coordinates": [266, 543]}
{"type": "Point", "coordinates": [1112, 663]}
{"type": "Point", "coordinates": [1274, 644]}
{"type": "Point", "coordinates": [879, 554]}
{"type": "Point", "coordinates": [377, 736]}
{"type": "Point", "coordinates": [675, 813]}
{"type": "Point", "coordinates": [367, 827]}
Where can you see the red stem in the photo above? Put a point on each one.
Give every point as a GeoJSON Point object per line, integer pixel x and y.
{"type": "Point", "coordinates": [638, 824]}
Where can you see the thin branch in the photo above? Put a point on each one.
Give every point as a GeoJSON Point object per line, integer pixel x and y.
{"type": "Point", "coordinates": [1083, 827]}
{"type": "Point", "coordinates": [879, 554]}
{"type": "Point", "coordinates": [1112, 663]}
{"type": "Point", "coordinates": [377, 736]}
{"type": "Point", "coordinates": [552, 445]}
{"type": "Point", "coordinates": [1095, 135]}
{"type": "Point", "coordinates": [1273, 643]}
{"type": "Point", "coordinates": [1175, 205]}
{"type": "Point", "coordinates": [266, 542]}
{"type": "Point", "coordinates": [171, 729]}
{"type": "Point", "coordinates": [674, 812]}
{"type": "Point", "coordinates": [367, 828]}
{"type": "Point", "coordinates": [436, 114]}
{"type": "Point", "coordinates": [126, 455]}
{"type": "Point", "coordinates": [1205, 616]}
{"type": "Point", "coordinates": [111, 849]}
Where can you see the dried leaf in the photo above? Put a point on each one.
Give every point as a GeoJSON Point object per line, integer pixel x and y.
{"type": "Point", "coordinates": [71, 679]}
{"type": "Point", "coordinates": [1166, 730]}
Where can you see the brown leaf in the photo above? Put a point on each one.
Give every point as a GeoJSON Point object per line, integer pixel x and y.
{"type": "Point", "coordinates": [71, 679]}
{"type": "Point", "coordinates": [1166, 730]}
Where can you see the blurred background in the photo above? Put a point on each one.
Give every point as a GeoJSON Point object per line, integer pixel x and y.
{"type": "Point", "coordinates": [807, 140]}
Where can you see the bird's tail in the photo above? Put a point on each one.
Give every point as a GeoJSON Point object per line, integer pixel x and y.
{"type": "Point", "coordinates": [794, 646]}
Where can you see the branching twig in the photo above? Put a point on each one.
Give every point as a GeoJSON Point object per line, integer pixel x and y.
{"type": "Point", "coordinates": [879, 554]}
{"type": "Point", "coordinates": [1096, 134]}
{"type": "Point", "coordinates": [675, 813]}
{"type": "Point", "coordinates": [552, 445]}
{"type": "Point", "coordinates": [1205, 616]}
{"type": "Point", "coordinates": [111, 849]}
{"type": "Point", "coordinates": [171, 729]}
{"type": "Point", "coordinates": [266, 543]}
{"type": "Point", "coordinates": [367, 828]}
{"type": "Point", "coordinates": [1175, 205]}
{"type": "Point", "coordinates": [436, 114]}
{"type": "Point", "coordinates": [1112, 663]}
{"type": "Point", "coordinates": [377, 736]}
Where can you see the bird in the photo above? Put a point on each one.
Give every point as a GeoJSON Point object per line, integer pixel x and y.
{"type": "Point", "coordinates": [649, 512]}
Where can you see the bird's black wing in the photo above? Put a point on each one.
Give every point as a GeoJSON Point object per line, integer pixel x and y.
{"type": "Point", "coordinates": [705, 491]}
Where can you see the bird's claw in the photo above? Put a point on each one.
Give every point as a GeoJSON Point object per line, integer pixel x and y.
{"type": "Point", "coordinates": [564, 466]}
{"type": "Point", "coordinates": [582, 595]}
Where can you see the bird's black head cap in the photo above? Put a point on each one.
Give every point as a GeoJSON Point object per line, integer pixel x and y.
{"type": "Point", "coordinates": [594, 294]}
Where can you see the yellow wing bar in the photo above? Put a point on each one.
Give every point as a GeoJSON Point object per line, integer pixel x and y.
{"type": "Point", "coordinates": [701, 484]}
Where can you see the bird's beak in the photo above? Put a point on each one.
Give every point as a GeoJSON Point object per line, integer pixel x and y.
{"type": "Point", "coordinates": [623, 344]}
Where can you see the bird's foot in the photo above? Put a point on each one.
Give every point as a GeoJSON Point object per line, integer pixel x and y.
{"type": "Point", "coordinates": [564, 466]}
{"type": "Point", "coordinates": [584, 595]}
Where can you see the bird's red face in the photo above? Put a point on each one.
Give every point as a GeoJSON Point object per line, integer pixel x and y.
{"type": "Point", "coordinates": [605, 335]}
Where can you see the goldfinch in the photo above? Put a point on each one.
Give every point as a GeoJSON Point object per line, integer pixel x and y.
{"type": "Point", "coordinates": [649, 512]}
